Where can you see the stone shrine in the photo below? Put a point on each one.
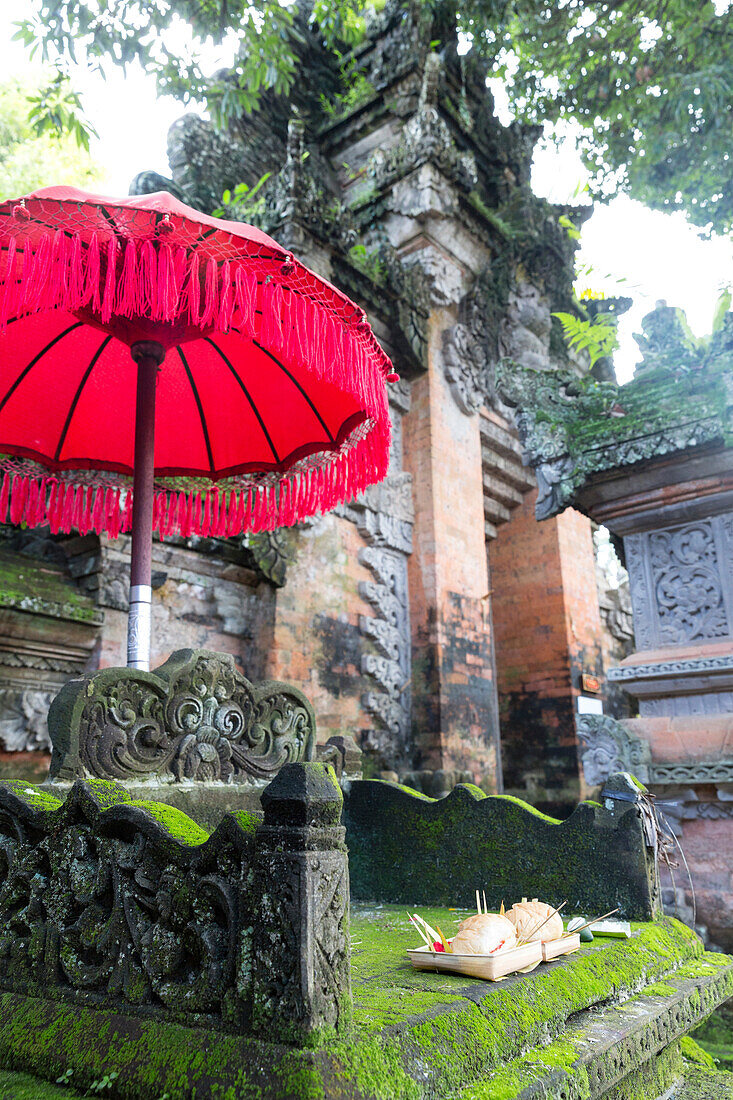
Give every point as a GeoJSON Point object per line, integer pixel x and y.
{"type": "Point", "coordinates": [434, 612]}
{"type": "Point", "coordinates": [653, 462]}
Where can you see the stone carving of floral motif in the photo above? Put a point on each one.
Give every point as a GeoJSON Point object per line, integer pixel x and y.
{"type": "Point", "coordinates": [698, 771]}
{"type": "Point", "coordinates": [103, 903]}
{"type": "Point", "coordinates": [608, 748]}
{"type": "Point", "coordinates": [125, 913]}
{"type": "Point", "coordinates": [24, 720]}
{"type": "Point", "coordinates": [681, 584]}
{"type": "Point", "coordinates": [384, 516]}
{"type": "Point", "coordinates": [194, 718]}
{"type": "Point", "coordinates": [687, 584]}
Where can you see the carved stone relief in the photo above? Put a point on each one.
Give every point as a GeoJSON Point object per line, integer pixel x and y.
{"type": "Point", "coordinates": [606, 748]}
{"type": "Point", "coordinates": [24, 720]}
{"type": "Point", "coordinates": [194, 718]}
{"type": "Point", "coordinates": [681, 583]}
{"type": "Point", "coordinates": [384, 517]}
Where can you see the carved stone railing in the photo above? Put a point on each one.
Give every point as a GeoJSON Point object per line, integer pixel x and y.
{"type": "Point", "coordinates": [196, 718]}
{"type": "Point", "coordinates": [130, 906]}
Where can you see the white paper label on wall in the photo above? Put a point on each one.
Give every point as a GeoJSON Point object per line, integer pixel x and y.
{"type": "Point", "coordinates": [588, 705]}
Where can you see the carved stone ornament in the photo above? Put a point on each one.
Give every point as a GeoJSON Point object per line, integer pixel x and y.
{"type": "Point", "coordinates": [607, 748]}
{"type": "Point", "coordinates": [682, 583]}
{"type": "Point", "coordinates": [111, 903]}
{"type": "Point", "coordinates": [196, 718]}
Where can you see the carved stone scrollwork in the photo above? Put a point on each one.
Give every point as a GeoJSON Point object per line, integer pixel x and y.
{"type": "Point", "coordinates": [681, 586]}
{"type": "Point", "coordinates": [196, 718]}
{"type": "Point", "coordinates": [127, 915]}
{"type": "Point", "coordinates": [608, 748]}
{"type": "Point", "coordinates": [130, 906]}
{"type": "Point", "coordinates": [469, 348]}
{"type": "Point", "coordinates": [23, 720]}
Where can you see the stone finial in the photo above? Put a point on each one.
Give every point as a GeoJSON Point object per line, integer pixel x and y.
{"type": "Point", "coordinates": [302, 991]}
{"type": "Point", "coordinates": [303, 795]}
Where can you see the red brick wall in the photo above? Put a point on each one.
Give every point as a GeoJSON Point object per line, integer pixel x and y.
{"type": "Point", "coordinates": [547, 631]}
{"type": "Point", "coordinates": [452, 662]}
{"type": "Point", "coordinates": [315, 641]}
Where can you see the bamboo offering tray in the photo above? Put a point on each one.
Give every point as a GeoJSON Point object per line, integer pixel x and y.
{"type": "Point", "coordinates": [490, 967]}
{"type": "Point", "coordinates": [564, 946]}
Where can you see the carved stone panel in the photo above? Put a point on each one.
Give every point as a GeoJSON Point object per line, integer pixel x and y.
{"type": "Point", "coordinates": [682, 583]}
{"type": "Point", "coordinates": [196, 718]}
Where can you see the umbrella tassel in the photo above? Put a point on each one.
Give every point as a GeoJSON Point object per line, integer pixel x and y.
{"type": "Point", "coordinates": [53, 514]}
{"type": "Point", "coordinates": [98, 511]}
{"type": "Point", "coordinates": [166, 285]}
{"type": "Point", "coordinates": [8, 282]}
{"type": "Point", "coordinates": [184, 514]}
{"type": "Point", "coordinates": [92, 290]}
{"type": "Point", "coordinates": [127, 292]}
{"type": "Point", "coordinates": [4, 497]}
{"type": "Point", "coordinates": [76, 273]}
{"type": "Point", "coordinates": [196, 515]}
{"type": "Point", "coordinates": [40, 287]}
{"type": "Point", "coordinates": [180, 267]}
{"type": "Point", "coordinates": [245, 289]}
{"type": "Point", "coordinates": [18, 494]}
{"type": "Point", "coordinates": [210, 299]}
{"type": "Point", "coordinates": [226, 306]}
{"type": "Point", "coordinates": [148, 289]}
{"type": "Point", "coordinates": [193, 290]}
{"type": "Point", "coordinates": [221, 527]}
{"type": "Point", "coordinates": [110, 280]}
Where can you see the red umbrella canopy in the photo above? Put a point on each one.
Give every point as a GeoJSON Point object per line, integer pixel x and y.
{"type": "Point", "coordinates": [270, 402]}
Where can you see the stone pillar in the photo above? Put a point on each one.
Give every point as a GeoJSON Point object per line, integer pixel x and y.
{"type": "Point", "coordinates": [301, 949]}
{"type": "Point", "coordinates": [547, 634]}
{"type": "Point", "coordinates": [452, 660]}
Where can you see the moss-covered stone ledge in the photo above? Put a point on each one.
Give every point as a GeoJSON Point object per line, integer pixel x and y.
{"type": "Point", "coordinates": [416, 1034]}
{"type": "Point", "coordinates": [406, 847]}
{"type": "Point", "coordinates": [114, 904]}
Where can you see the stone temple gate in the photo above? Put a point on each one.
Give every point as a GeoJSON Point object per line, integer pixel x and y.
{"type": "Point", "coordinates": [435, 611]}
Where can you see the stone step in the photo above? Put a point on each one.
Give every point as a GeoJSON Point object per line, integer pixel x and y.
{"type": "Point", "coordinates": [630, 1049]}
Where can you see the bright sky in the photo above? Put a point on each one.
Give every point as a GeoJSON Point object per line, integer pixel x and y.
{"type": "Point", "coordinates": [658, 255]}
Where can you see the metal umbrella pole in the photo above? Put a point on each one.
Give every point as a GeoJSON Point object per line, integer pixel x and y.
{"type": "Point", "coordinates": [148, 354]}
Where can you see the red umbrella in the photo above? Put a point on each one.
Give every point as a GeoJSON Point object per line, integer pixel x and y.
{"type": "Point", "coordinates": [164, 370]}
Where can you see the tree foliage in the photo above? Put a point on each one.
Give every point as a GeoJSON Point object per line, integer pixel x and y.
{"type": "Point", "coordinates": [29, 159]}
{"type": "Point", "coordinates": [649, 82]}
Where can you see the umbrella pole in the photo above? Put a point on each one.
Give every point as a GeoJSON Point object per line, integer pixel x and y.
{"type": "Point", "coordinates": [148, 354]}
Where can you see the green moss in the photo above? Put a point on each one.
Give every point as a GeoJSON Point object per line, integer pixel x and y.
{"type": "Point", "coordinates": [21, 1086]}
{"type": "Point", "coordinates": [41, 588]}
{"type": "Point", "coordinates": [660, 989]}
{"type": "Point", "coordinates": [176, 824]}
{"type": "Point", "coordinates": [107, 793]}
{"type": "Point", "coordinates": [694, 1053]}
{"type": "Point", "coordinates": [33, 797]}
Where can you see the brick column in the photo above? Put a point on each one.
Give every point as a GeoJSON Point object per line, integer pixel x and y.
{"type": "Point", "coordinates": [451, 636]}
{"type": "Point", "coordinates": [547, 632]}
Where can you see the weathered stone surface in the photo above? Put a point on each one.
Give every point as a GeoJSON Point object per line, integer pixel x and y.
{"type": "Point", "coordinates": [407, 847]}
{"type": "Point", "coordinates": [131, 906]}
{"type": "Point", "coordinates": [301, 935]}
{"type": "Point", "coordinates": [417, 1035]}
{"type": "Point", "coordinates": [196, 718]}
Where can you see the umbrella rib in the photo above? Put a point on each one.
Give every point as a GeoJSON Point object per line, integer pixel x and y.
{"type": "Point", "coordinates": [297, 384]}
{"type": "Point", "coordinates": [248, 395]}
{"type": "Point", "coordinates": [200, 408]}
{"type": "Point", "coordinates": [26, 370]}
{"type": "Point", "coordinates": [77, 395]}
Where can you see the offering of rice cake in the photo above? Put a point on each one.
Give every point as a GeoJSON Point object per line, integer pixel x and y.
{"type": "Point", "coordinates": [535, 920]}
{"type": "Point", "coordinates": [484, 934]}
